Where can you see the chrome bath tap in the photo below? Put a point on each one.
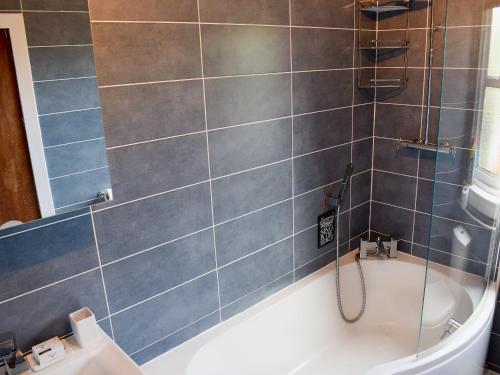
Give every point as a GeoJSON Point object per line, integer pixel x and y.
{"type": "Point", "coordinates": [11, 357]}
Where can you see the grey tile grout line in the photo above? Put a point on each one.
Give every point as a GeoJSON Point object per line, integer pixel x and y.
{"type": "Point", "coordinates": [208, 159]}
{"type": "Point", "coordinates": [70, 111]}
{"type": "Point", "coordinates": [75, 142]}
{"type": "Point", "coordinates": [102, 274]}
{"type": "Point", "coordinates": [293, 131]}
{"type": "Point", "coordinates": [64, 79]}
{"type": "Point", "coordinates": [433, 107]}
{"type": "Point", "coordinates": [418, 178]}
{"type": "Point", "coordinates": [53, 11]}
{"type": "Point", "coordinates": [61, 45]}
{"type": "Point", "coordinates": [74, 204]}
{"type": "Point", "coordinates": [77, 173]}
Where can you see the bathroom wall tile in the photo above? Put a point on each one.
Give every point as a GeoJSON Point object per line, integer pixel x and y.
{"type": "Point", "coordinates": [145, 112]}
{"type": "Point", "coordinates": [387, 158]}
{"type": "Point", "coordinates": [306, 242]}
{"type": "Point", "coordinates": [448, 168]}
{"type": "Point", "coordinates": [245, 192]}
{"type": "Point", "coordinates": [308, 206]}
{"type": "Point", "coordinates": [153, 221]}
{"type": "Point", "coordinates": [362, 152]}
{"type": "Point", "coordinates": [244, 276]}
{"type": "Point", "coordinates": [43, 314]}
{"type": "Point", "coordinates": [75, 157]}
{"type": "Point", "coordinates": [315, 170]}
{"type": "Point", "coordinates": [493, 350]}
{"type": "Point", "coordinates": [322, 48]}
{"type": "Point", "coordinates": [398, 121]}
{"type": "Point", "coordinates": [466, 13]}
{"type": "Point", "coordinates": [57, 28]}
{"type": "Point", "coordinates": [456, 126]}
{"type": "Point", "coordinates": [245, 147]}
{"type": "Point", "coordinates": [146, 10]}
{"type": "Point", "coordinates": [142, 276]}
{"type": "Point", "coordinates": [106, 326]}
{"type": "Point", "coordinates": [10, 5]}
{"type": "Point", "coordinates": [250, 233]}
{"type": "Point", "coordinates": [233, 101]}
{"type": "Point", "coordinates": [411, 94]}
{"type": "Point", "coordinates": [154, 167]}
{"type": "Point", "coordinates": [316, 91]}
{"type": "Point", "coordinates": [70, 127]}
{"type": "Point", "coordinates": [318, 263]}
{"type": "Point", "coordinates": [67, 95]}
{"type": "Point", "coordinates": [55, 5]}
{"type": "Point", "coordinates": [175, 55]}
{"type": "Point", "coordinates": [361, 188]}
{"type": "Point", "coordinates": [363, 121]}
{"type": "Point", "coordinates": [441, 235]}
{"type": "Point", "coordinates": [456, 88]}
{"type": "Point", "coordinates": [360, 220]}
{"type": "Point", "coordinates": [267, 12]}
{"type": "Point", "coordinates": [417, 17]}
{"type": "Point", "coordinates": [234, 50]}
{"type": "Point", "coordinates": [161, 316]}
{"type": "Point", "coordinates": [324, 13]}
{"type": "Point", "coordinates": [392, 221]}
{"type": "Point", "coordinates": [321, 130]}
{"type": "Point", "coordinates": [256, 296]}
{"type": "Point", "coordinates": [176, 338]}
{"type": "Point", "coordinates": [62, 62]}
{"type": "Point", "coordinates": [44, 255]}
{"type": "Point", "coordinates": [394, 189]}
{"type": "Point", "coordinates": [79, 188]}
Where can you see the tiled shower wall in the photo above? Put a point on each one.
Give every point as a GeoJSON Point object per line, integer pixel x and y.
{"type": "Point", "coordinates": [63, 70]}
{"type": "Point", "coordinates": [226, 123]}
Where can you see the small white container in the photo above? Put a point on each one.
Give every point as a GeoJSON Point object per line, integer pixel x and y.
{"type": "Point", "coordinates": [84, 326]}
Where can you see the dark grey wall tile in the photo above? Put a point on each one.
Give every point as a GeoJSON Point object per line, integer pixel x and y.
{"type": "Point", "coordinates": [466, 13]}
{"type": "Point", "coordinates": [394, 189]}
{"type": "Point", "coordinates": [456, 126]}
{"type": "Point", "coordinates": [153, 221]}
{"type": "Point", "coordinates": [145, 112]}
{"type": "Point", "coordinates": [245, 192]}
{"type": "Point", "coordinates": [67, 95]}
{"type": "Point", "coordinates": [308, 206]}
{"type": "Point", "coordinates": [316, 131]}
{"type": "Point", "coordinates": [174, 55]}
{"type": "Point", "coordinates": [57, 28]}
{"type": "Point", "coordinates": [363, 121]}
{"type": "Point", "coordinates": [306, 242]}
{"type": "Point", "coordinates": [456, 88]}
{"type": "Point", "coordinates": [362, 152]}
{"type": "Point", "coordinates": [75, 157]}
{"type": "Point", "coordinates": [256, 296]}
{"type": "Point", "coordinates": [268, 12]}
{"type": "Point", "coordinates": [411, 94]}
{"type": "Point", "coordinates": [398, 121]}
{"type": "Point", "coordinates": [142, 276]}
{"type": "Point", "coordinates": [318, 263]}
{"type": "Point", "coordinates": [325, 13]}
{"type": "Point", "coordinates": [106, 326]}
{"type": "Point", "coordinates": [45, 255]}
{"type": "Point", "coordinates": [55, 5]}
{"type": "Point", "coordinates": [393, 221]}
{"type": "Point", "coordinates": [387, 158]}
{"type": "Point", "coordinates": [316, 91]}
{"type": "Point", "coordinates": [245, 147]}
{"type": "Point", "coordinates": [242, 277]}
{"type": "Point", "coordinates": [361, 188]}
{"type": "Point", "coordinates": [62, 62]}
{"type": "Point", "coordinates": [10, 5]}
{"type": "Point", "coordinates": [321, 168]}
{"type": "Point", "coordinates": [360, 220]}
{"type": "Point", "coordinates": [322, 48]}
{"type": "Point", "coordinates": [447, 168]}
{"type": "Point", "coordinates": [52, 306]}
{"type": "Point", "coordinates": [71, 127]}
{"type": "Point", "coordinates": [250, 233]}
{"type": "Point", "coordinates": [233, 101]}
{"type": "Point", "coordinates": [159, 317]}
{"type": "Point", "coordinates": [175, 339]}
{"type": "Point", "coordinates": [79, 188]}
{"type": "Point", "coordinates": [494, 349]}
{"type": "Point", "coordinates": [145, 10]}
{"type": "Point", "coordinates": [235, 50]}
{"type": "Point", "coordinates": [154, 167]}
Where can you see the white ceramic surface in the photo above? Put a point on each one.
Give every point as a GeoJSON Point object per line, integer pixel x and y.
{"type": "Point", "coordinates": [299, 331]}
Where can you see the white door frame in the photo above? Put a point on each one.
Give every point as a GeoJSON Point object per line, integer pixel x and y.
{"type": "Point", "coordinates": [15, 24]}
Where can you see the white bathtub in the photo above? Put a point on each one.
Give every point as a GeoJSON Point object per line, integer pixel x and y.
{"type": "Point", "coordinates": [299, 329]}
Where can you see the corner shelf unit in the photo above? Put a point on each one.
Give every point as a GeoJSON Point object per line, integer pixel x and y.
{"type": "Point", "coordinates": [378, 49]}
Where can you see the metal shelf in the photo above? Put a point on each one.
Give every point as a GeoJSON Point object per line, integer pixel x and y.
{"type": "Point", "coordinates": [384, 44]}
{"type": "Point", "coordinates": [374, 6]}
{"type": "Point", "coordinates": [384, 83]}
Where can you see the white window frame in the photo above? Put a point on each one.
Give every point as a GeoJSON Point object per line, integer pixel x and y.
{"type": "Point", "coordinates": [14, 23]}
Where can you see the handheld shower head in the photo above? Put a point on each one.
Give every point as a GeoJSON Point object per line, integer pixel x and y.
{"type": "Point", "coordinates": [345, 182]}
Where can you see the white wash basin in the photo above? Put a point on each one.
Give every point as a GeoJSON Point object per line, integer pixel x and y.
{"type": "Point", "coordinates": [102, 358]}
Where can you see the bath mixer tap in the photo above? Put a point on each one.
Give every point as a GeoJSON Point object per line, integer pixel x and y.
{"type": "Point", "coordinates": [10, 356]}
{"type": "Point", "coordinates": [378, 248]}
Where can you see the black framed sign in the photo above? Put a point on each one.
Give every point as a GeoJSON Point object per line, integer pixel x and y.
{"type": "Point", "coordinates": [326, 227]}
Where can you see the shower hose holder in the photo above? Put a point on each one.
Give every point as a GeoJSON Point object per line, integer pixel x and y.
{"type": "Point", "coordinates": [378, 248]}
